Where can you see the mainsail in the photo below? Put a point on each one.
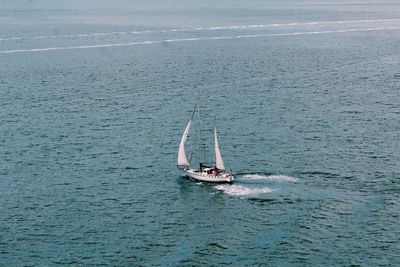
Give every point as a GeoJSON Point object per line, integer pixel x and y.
{"type": "Point", "coordinates": [182, 159]}
{"type": "Point", "coordinates": [218, 158]}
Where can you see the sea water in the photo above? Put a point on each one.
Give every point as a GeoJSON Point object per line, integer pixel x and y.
{"type": "Point", "coordinates": [94, 99]}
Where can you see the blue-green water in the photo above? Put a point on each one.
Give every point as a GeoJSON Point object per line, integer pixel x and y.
{"type": "Point", "coordinates": [94, 100]}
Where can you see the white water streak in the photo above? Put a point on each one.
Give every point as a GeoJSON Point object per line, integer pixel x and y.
{"type": "Point", "coordinates": [240, 190]}
{"type": "Point", "coordinates": [234, 27]}
{"type": "Point", "coordinates": [193, 39]}
{"type": "Point", "coordinates": [279, 178]}
{"type": "Point", "coordinates": [257, 26]}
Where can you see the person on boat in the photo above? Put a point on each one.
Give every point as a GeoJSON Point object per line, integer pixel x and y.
{"type": "Point", "coordinates": [215, 171]}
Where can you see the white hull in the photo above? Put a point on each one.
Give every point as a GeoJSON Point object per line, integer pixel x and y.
{"type": "Point", "coordinates": [211, 178]}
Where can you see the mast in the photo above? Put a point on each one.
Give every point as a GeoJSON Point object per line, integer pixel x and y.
{"type": "Point", "coordinates": [199, 134]}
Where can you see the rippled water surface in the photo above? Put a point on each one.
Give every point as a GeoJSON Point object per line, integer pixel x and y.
{"type": "Point", "coordinates": [94, 101]}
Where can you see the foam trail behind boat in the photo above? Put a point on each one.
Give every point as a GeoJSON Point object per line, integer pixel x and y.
{"type": "Point", "coordinates": [240, 190]}
{"type": "Point", "coordinates": [279, 178]}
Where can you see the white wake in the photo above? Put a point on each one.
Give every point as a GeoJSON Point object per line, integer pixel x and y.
{"type": "Point", "coordinates": [240, 190]}
{"type": "Point", "coordinates": [282, 178]}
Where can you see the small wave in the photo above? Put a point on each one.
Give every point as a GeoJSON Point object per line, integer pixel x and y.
{"type": "Point", "coordinates": [270, 177]}
{"type": "Point", "coordinates": [240, 190]}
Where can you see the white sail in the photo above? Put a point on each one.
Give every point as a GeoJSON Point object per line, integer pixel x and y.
{"type": "Point", "coordinates": [218, 158]}
{"type": "Point", "coordinates": [182, 159]}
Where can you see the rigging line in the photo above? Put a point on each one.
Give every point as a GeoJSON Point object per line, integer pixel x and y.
{"type": "Point", "coordinates": [199, 132]}
{"type": "Point", "coordinates": [194, 111]}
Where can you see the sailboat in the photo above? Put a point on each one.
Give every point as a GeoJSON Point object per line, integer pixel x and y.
{"type": "Point", "coordinates": [213, 173]}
